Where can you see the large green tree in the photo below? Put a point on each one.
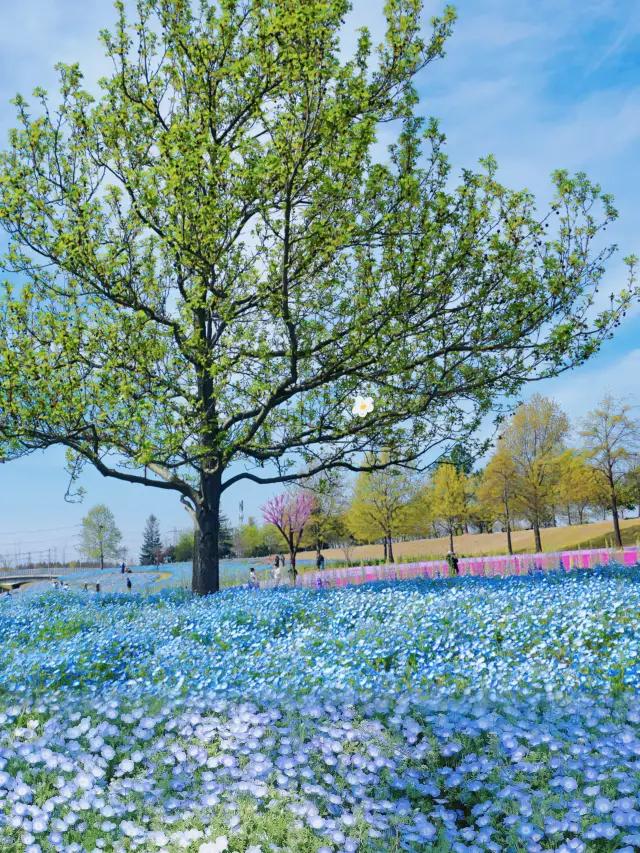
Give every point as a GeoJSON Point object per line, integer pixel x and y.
{"type": "Point", "coordinates": [380, 504]}
{"type": "Point", "coordinates": [498, 491]}
{"type": "Point", "coordinates": [633, 483]}
{"type": "Point", "coordinates": [448, 498]}
{"type": "Point", "coordinates": [99, 536]}
{"type": "Point", "coordinates": [577, 488]}
{"type": "Point", "coordinates": [533, 440]}
{"type": "Point", "coordinates": [330, 500]}
{"type": "Point", "coordinates": [184, 547]}
{"type": "Point", "coordinates": [611, 440]}
{"type": "Point", "coordinates": [211, 263]}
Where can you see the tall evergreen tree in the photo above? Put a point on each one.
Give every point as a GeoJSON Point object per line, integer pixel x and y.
{"type": "Point", "coordinates": [462, 459]}
{"type": "Point", "coordinates": [225, 537]}
{"type": "Point", "coordinates": [151, 542]}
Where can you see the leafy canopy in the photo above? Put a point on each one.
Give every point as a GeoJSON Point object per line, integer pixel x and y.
{"type": "Point", "coordinates": [212, 263]}
{"type": "Point", "coordinates": [99, 535]}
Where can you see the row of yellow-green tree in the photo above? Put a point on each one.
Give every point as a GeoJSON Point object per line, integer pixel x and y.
{"type": "Point", "coordinates": [535, 478]}
{"type": "Point", "coordinates": [543, 471]}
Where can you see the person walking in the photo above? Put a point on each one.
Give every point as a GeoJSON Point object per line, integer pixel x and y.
{"type": "Point", "coordinates": [129, 583]}
{"type": "Point", "coordinates": [277, 561]}
{"type": "Point", "coordinates": [253, 579]}
{"type": "Point", "coordinates": [452, 561]}
{"type": "Point", "coordinates": [97, 587]}
{"type": "Point", "coordinates": [320, 562]}
{"type": "Point", "coordinates": [122, 568]}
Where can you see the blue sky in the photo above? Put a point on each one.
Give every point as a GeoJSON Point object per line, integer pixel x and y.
{"type": "Point", "coordinates": [541, 84]}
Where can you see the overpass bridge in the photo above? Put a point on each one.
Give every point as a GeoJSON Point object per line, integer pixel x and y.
{"type": "Point", "coordinates": [18, 580]}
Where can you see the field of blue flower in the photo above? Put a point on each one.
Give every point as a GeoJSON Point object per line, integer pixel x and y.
{"type": "Point", "coordinates": [466, 715]}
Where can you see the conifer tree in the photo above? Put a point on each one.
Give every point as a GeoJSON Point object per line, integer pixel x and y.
{"type": "Point", "coordinates": [151, 542]}
{"type": "Point", "coordinates": [225, 537]}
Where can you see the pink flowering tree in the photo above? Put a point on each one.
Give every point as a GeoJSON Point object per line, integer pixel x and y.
{"type": "Point", "coordinates": [290, 513]}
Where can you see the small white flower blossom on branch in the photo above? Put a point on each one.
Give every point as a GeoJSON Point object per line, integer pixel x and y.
{"type": "Point", "coordinates": [362, 406]}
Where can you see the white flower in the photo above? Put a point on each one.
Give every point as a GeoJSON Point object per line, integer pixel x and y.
{"type": "Point", "coordinates": [362, 406]}
{"type": "Point", "coordinates": [194, 834]}
{"type": "Point", "coordinates": [218, 846]}
{"type": "Point", "coordinates": [254, 849]}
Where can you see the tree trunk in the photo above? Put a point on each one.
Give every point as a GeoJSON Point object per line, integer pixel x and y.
{"type": "Point", "coordinates": [206, 559]}
{"type": "Point", "coordinates": [390, 548]}
{"type": "Point", "coordinates": [194, 553]}
{"type": "Point", "coordinates": [451, 538]}
{"type": "Point", "coordinates": [509, 545]}
{"type": "Point", "coordinates": [536, 534]}
{"type": "Point", "coordinates": [616, 520]}
{"type": "Point", "coordinates": [385, 549]}
{"type": "Point", "coordinates": [101, 560]}
{"type": "Point", "coordinates": [292, 566]}
{"type": "Point", "coordinates": [507, 518]}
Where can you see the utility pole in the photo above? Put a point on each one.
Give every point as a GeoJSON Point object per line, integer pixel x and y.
{"type": "Point", "coordinates": [49, 562]}
{"type": "Point", "coordinates": [241, 513]}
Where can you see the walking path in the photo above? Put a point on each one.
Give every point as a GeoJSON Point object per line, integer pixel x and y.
{"type": "Point", "coordinates": [236, 572]}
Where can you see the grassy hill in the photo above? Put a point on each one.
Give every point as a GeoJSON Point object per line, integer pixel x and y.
{"type": "Point", "coordinates": [595, 535]}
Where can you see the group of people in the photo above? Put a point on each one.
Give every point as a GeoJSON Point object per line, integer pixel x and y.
{"type": "Point", "coordinates": [254, 583]}
{"type": "Point", "coordinates": [65, 586]}
{"type": "Point", "coordinates": [278, 562]}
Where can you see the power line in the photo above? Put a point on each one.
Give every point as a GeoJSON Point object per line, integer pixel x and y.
{"type": "Point", "coordinates": [39, 530]}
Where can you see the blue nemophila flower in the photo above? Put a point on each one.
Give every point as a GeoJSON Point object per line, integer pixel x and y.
{"type": "Point", "coordinates": [157, 720]}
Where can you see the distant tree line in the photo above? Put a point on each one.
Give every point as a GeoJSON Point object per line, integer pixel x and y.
{"type": "Point", "coordinates": [535, 479]}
